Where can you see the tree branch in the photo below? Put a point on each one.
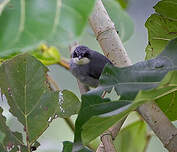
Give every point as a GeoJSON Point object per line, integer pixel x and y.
{"type": "Point", "coordinates": [113, 48]}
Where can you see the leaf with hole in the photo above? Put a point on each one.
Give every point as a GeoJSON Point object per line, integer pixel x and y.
{"type": "Point", "coordinates": [23, 80]}
{"type": "Point", "coordinates": [12, 140]}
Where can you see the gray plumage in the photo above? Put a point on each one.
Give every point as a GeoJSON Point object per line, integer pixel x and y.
{"type": "Point", "coordinates": [88, 73]}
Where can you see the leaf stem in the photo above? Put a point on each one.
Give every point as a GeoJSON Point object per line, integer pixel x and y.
{"type": "Point", "coordinates": [64, 64]}
{"type": "Point", "coordinates": [70, 123]}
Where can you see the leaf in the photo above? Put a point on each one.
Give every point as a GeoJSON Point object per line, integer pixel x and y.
{"type": "Point", "coordinates": [2, 136]}
{"type": "Point", "coordinates": [12, 140]}
{"type": "Point", "coordinates": [140, 76]}
{"type": "Point", "coordinates": [123, 23]}
{"type": "Point", "coordinates": [144, 81]}
{"type": "Point", "coordinates": [26, 24]}
{"type": "Point", "coordinates": [23, 81]}
{"type": "Point", "coordinates": [69, 104]}
{"type": "Point", "coordinates": [93, 105]}
{"type": "Point", "coordinates": [132, 138]}
{"type": "Point", "coordinates": [3, 4]}
{"type": "Point", "coordinates": [123, 3]}
{"type": "Point", "coordinates": [162, 27]}
{"type": "Point", "coordinates": [67, 147]}
{"type": "Point", "coordinates": [46, 55]}
{"type": "Point", "coordinates": [94, 120]}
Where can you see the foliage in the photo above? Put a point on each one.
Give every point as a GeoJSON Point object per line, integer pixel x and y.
{"type": "Point", "coordinates": [67, 147]}
{"type": "Point", "coordinates": [123, 3]}
{"type": "Point", "coordinates": [23, 82]}
{"type": "Point", "coordinates": [26, 24]}
{"type": "Point", "coordinates": [143, 83]}
{"type": "Point", "coordinates": [162, 27]}
{"type": "Point", "coordinates": [41, 27]}
{"type": "Point", "coordinates": [133, 135]}
{"type": "Point", "coordinates": [69, 104]}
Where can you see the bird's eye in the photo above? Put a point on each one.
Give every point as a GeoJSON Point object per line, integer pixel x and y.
{"type": "Point", "coordinates": [86, 55]}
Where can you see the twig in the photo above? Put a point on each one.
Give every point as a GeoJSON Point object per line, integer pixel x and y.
{"type": "Point", "coordinates": [64, 64]}
{"type": "Point", "coordinates": [70, 124]}
{"type": "Point", "coordinates": [148, 138]}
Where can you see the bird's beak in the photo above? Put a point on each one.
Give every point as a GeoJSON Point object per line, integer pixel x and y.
{"type": "Point", "coordinates": [80, 57]}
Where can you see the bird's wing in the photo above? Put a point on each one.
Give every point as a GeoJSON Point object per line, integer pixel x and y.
{"type": "Point", "coordinates": [97, 64]}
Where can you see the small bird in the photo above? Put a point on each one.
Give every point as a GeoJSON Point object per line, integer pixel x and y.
{"type": "Point", "coordinates": [87, 65]}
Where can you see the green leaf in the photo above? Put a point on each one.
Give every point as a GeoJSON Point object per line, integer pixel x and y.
{"type": "Point", "coordinates": [67, 147]}
{"type": "Point", "coordinates": [162, 27]}
{"type": "Point", "coordinates": [69, 104]}
{"type": "Point", "coordinates": [123, 23]}
{"type": "Point", "coordinates": [26, 24]}
{"type": "Point", "coordinates": [2, 136]}
{"type": "Point", "coordinates": [132, 138]}
{"type": "Point", "coordinates": [123, 3]}
{"type": "Point", "coordinates": [46, 55]}
{"type": "Point", "coordinates": [3, 4]}
{"type": "Point", "coordinates": [144, 81]}
{"type": "Point", "coordinates": [93, 120]}
{"type": "Point", "coordinates": [93, 105]}
{"type": "Point", "coordinates": [11, 139]}
{"type": "Point", "coordinates": [140, 76]}
{"type": "Point", "coordinates": [23, 82]}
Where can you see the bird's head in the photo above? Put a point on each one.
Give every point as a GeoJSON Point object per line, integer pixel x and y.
{"type": "Point", "coordinates": [81, 55]}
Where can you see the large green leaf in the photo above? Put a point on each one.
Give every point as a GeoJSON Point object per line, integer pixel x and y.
{"type": "Point", "coordinates": [93, 105]}
{"type": "Point", "coordinates": [162, 27]}
{"type": "Point", "coordinates": [23, 82]}
{"type": "Point", "coordinates": [123, 23]}
{"type": "Point", "coordinates": [143, 82]}
{"type": "Point", "coordinates": [95, 118]}
{"type": "Point", "coordinates": [132, 138]}
{"type": "Point", "coordinates": [144, 75]}
{"type": "Point", "coordinates": [26, 24]}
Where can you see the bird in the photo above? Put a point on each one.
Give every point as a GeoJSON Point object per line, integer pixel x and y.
{"type": "Point", "coordinates": [87, 65]}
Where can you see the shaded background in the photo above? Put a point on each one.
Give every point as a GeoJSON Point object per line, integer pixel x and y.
{"type": "Point", "coordinates": [58, 131]}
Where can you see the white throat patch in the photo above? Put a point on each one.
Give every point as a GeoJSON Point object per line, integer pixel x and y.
{"type": "Point", "coordinates": [81, 61]}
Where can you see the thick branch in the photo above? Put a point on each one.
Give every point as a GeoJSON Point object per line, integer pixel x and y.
{"type": "Point", "coordinates": [107, 36]}
{"type": "Point", "coordinates": [160, 124]}
{"type": "Point", "coordinates": [113, 48]}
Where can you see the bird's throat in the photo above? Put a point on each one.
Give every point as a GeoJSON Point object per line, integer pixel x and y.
{"type": "Point", "coordinates": [81, 61]}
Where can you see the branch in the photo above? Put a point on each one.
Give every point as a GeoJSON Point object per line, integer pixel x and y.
{"type": "Point", "coordinates": [113, 48]}
{"type": "Point", "coordinates": [160, 124]}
